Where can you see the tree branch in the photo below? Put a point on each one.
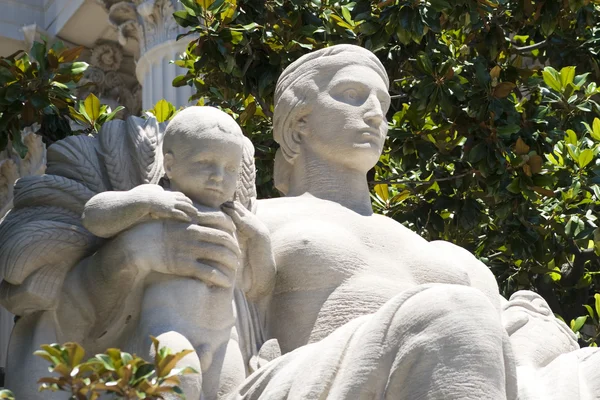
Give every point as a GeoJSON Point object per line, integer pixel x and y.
{"type": "Point", "coordinates": [385, 3]}
{"type": "Point", "coordinates": [408, 182]}
{"type": "Point", "coordinates": [527, 49]}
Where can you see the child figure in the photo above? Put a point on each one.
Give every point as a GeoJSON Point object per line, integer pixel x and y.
{"type": "Point", "coordinates": [202, 150]}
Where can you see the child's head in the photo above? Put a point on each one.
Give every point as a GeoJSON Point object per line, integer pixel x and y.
{"type": "Point", "coordinates": [202, 150]}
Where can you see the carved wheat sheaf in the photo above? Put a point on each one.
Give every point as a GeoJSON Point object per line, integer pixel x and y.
{"type": "Point", "coordinates": [51, 190]}
{"type": "Point", "coordinates": [144, 143]}
{"type": "Point", "coordinates": [17, 217]}
{"type": "Point", "coordinates": [42, 237]}
{"type": "Point", "coordinates": [40, 291]}
{"type": "Point", "coordinates": [76, 157]}
{"type": "Point", "coordinates": [117, 157]}
{"type": "Point", "coordinates": [246, 185]}
{"type": "Point", "coordinates": [36, 244]}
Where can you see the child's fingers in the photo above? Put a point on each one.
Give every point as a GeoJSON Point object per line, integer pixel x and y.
{"type": "Point", "coordinates": [186, 208]}
{"type": "Point", "coordinates": [232, 213]}
{"type": "Point", "coordinates": [180, 215]}
{"type": "Point", "coordinates": [182, 197]}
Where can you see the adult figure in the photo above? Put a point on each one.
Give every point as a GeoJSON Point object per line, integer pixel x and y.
{"type": "Point", "coordinates": [363, 307]}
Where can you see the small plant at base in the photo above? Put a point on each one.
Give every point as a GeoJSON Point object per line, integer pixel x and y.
{"type": "Point", "coordinates": [118, 373]}
{"type": "Point", "coordinates": [6, 394]}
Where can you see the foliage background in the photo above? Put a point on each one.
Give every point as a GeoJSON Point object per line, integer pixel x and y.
{"type": "Point", "coordinates": [494, 137]}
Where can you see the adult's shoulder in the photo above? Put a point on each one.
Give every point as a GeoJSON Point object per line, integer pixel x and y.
{"type": "Point", "coordinates": [276, 211]}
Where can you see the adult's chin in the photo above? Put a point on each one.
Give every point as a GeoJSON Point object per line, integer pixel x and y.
{"type": "Point", "coordinates": [364, 155]}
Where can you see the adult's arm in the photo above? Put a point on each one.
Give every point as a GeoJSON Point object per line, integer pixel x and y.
{"type": "Point", "coordinates": [479, 274]}
{"type": "Point", "coordinates": [103, 292]}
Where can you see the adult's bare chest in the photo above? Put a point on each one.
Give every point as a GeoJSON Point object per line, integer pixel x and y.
{"type": "Point", "coordinates": [329, 245]}
{"type": "Point", "coordinates": [334, 265]}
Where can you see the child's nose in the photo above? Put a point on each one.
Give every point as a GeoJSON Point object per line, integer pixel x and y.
{"type": "Point", "coordinates": [216, 174]}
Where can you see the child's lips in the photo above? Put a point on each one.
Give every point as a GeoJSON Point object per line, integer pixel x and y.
{"type": "Point", "coordinates": [214, 189]}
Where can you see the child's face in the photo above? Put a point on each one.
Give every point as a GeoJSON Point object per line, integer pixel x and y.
{"type": "Point", "coordinates": [206, 169]}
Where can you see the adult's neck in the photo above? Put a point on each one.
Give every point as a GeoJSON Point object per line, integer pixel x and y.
{"type": "Point", "coordinates": [330, 181]}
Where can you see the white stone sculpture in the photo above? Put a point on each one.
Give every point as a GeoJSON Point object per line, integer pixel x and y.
{"type": "Point", "coordinates": [203, 149]}
{"type": "Point", "coordinates": [361, 308]}
{"type": "Point", "coordinates": [123, 164]}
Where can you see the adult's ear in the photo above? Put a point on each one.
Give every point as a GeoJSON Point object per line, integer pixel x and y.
{"type": "Point", "coordinates": [168, 162]}
{"type": "Point", "coordinates": [292, 142]}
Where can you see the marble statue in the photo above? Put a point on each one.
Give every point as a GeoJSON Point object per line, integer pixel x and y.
{"type": "Point", "coordinates": [202, 149]}
{"type": "Point", "coordinates": [307, 296]}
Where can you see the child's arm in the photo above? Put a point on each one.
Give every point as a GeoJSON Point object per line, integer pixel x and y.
{"type": "Point", "coordinates": [109, 213]}
{"type": "Point", "coordinates": [259, 269]}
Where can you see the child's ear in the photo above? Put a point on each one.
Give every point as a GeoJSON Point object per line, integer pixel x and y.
{"type": "Point", "coordinates": [168, 161]}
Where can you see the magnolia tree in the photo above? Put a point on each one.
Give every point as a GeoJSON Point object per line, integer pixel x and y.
{"type": "Point", "coordinates": [494, 126]}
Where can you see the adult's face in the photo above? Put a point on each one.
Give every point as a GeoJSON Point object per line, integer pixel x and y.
{"type": "Point", "coordinates": [347, 124]}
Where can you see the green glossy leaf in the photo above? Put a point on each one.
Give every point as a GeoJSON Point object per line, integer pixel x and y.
{"type": "Point", "coordinates": [552, 78]}
{"type": "Point", "coordinates": [106, 361]}
{"type": "Point", "coordinates": [184, 19]}
{"type": "Point", "coordinates": [424, 63]}
{"type": "Point", "coordinates": [595, 131]}
{"type": "Point", "coordinates": [571, 137]}
{"type": "Point", "coordinates": [216, 5]}
{"type": "Point", "coordinates": [597, 304]}
{"type": "Point", "coordinates": [346, 14]}
{"type": "Point", "coordinates": [113, 114]}
{"type": "Point", "coordinates": [382, 191]}
{"type": "Point", "coordinates": [92, 106]}
{"type": "Point", "coordinates": [74, 68]}
{"type": "Point", "coordinates": [567, 74]}
{"type": "Point", "coordinates": [163, 110]}
{"type": "Point", "coordinates": [515, 186]}
{"type": "Point", "coordinates": [578, 323]}
{"type": "Point", "coordinates": [585, 157]}
{"type": "Point", "coordinates": [580, 79]}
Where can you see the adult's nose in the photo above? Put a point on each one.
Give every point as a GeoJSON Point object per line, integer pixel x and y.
{"type": "Point", "coordinates": [373, 115]}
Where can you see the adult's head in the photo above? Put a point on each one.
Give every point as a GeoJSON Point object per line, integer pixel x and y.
{"type": "Point", "coordinates": [202, 150]}
{"type": "Point", "coordinates": [330, 104]}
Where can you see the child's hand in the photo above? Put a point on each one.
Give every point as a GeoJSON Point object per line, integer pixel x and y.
{"type": "Point", "coordinates": [246, 222]}
{"type": "Point", "coordinates": [164, 204]}
{"type": "Point", "coordinates": [258, 273]}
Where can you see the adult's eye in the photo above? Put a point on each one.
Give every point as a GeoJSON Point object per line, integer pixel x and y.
{"type": "Point", "coordinates": [350, 95]}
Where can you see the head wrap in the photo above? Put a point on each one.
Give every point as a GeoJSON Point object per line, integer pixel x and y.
{"type": "Point", "coordinates": [296, 87]}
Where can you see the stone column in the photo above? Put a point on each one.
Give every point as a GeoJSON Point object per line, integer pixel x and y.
{"type": "Point", "coordinates": [152, 25]}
